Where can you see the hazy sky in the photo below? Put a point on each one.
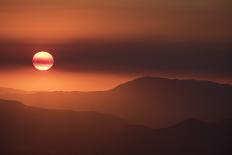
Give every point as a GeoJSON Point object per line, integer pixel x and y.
{"type": "Point", "coordinates": [109, 42]}
{"type": "Point", "coordinates": [49, 20]}
{"type": "Point", "coordinates": [100, 65]}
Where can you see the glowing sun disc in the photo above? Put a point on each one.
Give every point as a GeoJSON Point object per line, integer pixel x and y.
{"type": "Point", "coordinates": [43, 61]}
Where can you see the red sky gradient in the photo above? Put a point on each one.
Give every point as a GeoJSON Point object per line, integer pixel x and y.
{"type": "Point", "coordinates": [59, 20]}
{"type": "Point", "coordinates": [98, 44]}
{"type": "Point", "coordinates": [30, 79]}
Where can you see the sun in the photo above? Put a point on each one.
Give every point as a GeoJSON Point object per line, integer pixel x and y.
{"type": "Point", "coordinates": [43, 61]}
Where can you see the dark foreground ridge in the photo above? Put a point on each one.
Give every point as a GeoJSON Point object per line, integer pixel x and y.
{"type": "Point", "coordinates": [35, 131]}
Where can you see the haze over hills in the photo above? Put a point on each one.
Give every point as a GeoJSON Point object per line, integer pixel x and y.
{"type": "Point", "coordinates": [150, 101]}
{"type": "Point", "coordinates": [5, 91]}
{"type": "Point", "coordinates": [33, 131]}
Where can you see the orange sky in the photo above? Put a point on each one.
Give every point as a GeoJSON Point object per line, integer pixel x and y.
{"type": "Point", "coordinates": [31, 79]}
{"type": "Point", "coordinates": [70, 21]}
{"type": "Point", "coordinates": [66, 20]}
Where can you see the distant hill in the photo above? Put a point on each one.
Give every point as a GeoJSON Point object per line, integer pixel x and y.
{"type": "Point", "coordinates": [151, 101]}
{"type": "Point", "coordinates": [34, 131]}
{"type": "Point", "coordinates": [15, 110]}
{"type": "Point", "coordinates": [5, 91]}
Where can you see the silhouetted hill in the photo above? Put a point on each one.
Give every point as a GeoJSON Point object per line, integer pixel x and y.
{"type": "Point", "coordinates": [195, 137]}
{"type": "Point", "coordinates": [155, 102]}
{"type": "Point", "coordinates": [191, 123]}
{"type": "Point", "coordinates": [28, 130]}
{"type": "Point", "coordinates": [16, 110]}
{"type": "Point", "coordinates": [148, 82]}
{"type": "Point", "coordinates": [34, 131]}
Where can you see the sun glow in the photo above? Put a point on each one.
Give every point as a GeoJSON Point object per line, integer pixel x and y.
{"type": "Point", "coordinates": [43, 61]}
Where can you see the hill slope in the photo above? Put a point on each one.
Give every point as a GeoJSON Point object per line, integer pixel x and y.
{"type": "Point", "coordinates": [34, 131]}
{"type": "Point", "coordinates": [156, 102]}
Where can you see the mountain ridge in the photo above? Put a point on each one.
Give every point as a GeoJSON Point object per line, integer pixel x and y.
{"type": "Point", "coordinates": [34, 131]}
{"type": "Point", "coordinates": [154, 102]}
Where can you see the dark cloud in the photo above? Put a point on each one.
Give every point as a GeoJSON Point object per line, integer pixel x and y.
{"type": "Point", "coordinates": [126, 56]}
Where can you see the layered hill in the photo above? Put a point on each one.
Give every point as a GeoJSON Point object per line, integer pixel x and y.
{"type": "Point", "coordinates": [28, 130]}
{"type": "Point", "coordinates": [151, 101]}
